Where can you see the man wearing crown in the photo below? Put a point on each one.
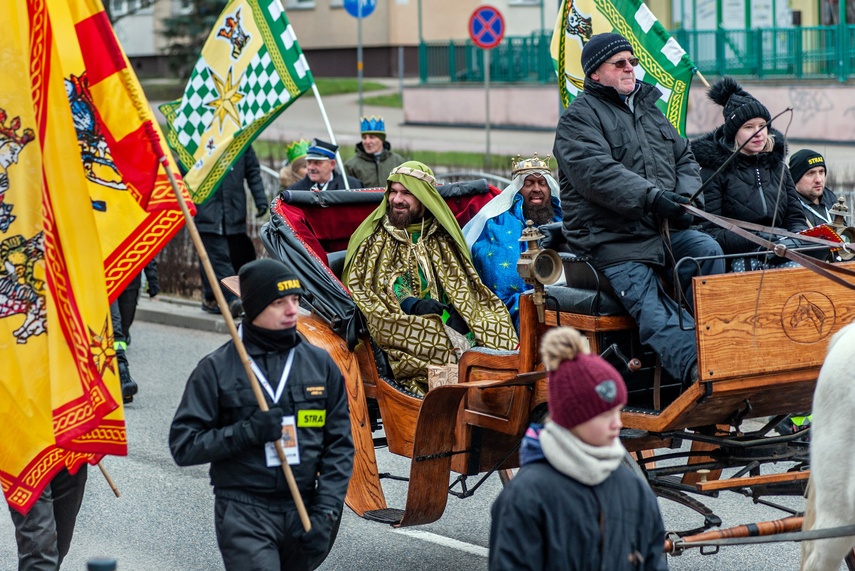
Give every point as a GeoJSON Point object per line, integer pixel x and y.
{"type": "Point", "coordinates": [410, 273]}
{"type": "Point", "coordinates": [493, 234]}
{"type": "Point", "coordinates": [374, 159]}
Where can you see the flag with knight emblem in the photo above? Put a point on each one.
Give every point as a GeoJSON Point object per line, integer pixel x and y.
{"type": "Point", "coordinates": [250, 70]}
{"type": "Point", "coordinates": [662, 62]}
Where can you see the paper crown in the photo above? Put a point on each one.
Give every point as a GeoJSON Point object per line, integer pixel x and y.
{"type": "Point", "coordinates": [296, 150]}
{"type": "Point", "coordinates": [373, 124]}
{"type": "Point", "coordinates": [530, 165]}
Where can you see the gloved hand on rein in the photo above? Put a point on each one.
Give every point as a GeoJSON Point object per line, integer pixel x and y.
{"type": "Point", "coordinates": [669, 204]}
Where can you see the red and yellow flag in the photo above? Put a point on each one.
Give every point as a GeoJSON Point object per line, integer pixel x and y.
{"type": "Point", "coordinates": [82, 208]}
{"type": "Point", "coordinates": [136, 210]}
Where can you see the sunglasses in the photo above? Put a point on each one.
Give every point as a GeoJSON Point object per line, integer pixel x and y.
{"type": "Point", "coordinates": [621, 63]}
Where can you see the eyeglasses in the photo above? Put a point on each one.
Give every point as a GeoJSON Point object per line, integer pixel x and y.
{"type": "Point", "coordinates": [621, 63]}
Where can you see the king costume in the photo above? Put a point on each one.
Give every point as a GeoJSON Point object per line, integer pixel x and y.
{"type": "Point", "coordinates": [493, 235]}
{"type": "Point", "coordinates": [385, 265]}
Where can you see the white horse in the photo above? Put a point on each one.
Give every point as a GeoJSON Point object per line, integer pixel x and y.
{"type": "Point", "coordinates": [831, 494]}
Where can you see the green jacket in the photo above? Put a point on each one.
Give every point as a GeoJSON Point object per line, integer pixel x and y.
{"type": "Point", "coordinates": [373, 170]}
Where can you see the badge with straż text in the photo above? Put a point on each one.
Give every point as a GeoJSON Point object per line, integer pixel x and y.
{"type": "Point", "coordinates": [289, 444]}
{"type": "Point", "coordinates": [311, 418]}
{"type": "Point", "coordinates": [314, 391]}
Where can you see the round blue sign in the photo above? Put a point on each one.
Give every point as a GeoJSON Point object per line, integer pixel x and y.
{"type": "Point", "coordinates": [486, 27]}
{"type": "Point", "coordinates": [352, 7]}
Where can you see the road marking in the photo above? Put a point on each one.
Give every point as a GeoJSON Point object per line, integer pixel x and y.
{"type": "Point", "coordinates": [444, 541]}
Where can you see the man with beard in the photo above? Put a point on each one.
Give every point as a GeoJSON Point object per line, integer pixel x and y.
{"type": "Point", "coordinates": [219, 422]}
{"type": "Point", "coordinates": [808, 170]}
{"type": "Point", "coordinates": [410, 273]}
{"type": "Point", "coordinates": [493, 234]}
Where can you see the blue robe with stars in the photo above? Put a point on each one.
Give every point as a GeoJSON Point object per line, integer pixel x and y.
{"type": "Point", "coordinates": [497, 249]}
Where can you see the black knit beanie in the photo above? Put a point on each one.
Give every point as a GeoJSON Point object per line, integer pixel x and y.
{"type": "Point", "coordinates": [264, 281]}
{"type": "Point", "coordinates": [803, 161]}
{"type": "Point", "coordinates": [739, 106]}
{"type": "Point", "coordinates": [600, 48]}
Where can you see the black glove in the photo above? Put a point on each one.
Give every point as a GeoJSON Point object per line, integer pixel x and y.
{"type": "Point", "coordinates": [260, 210]}
{"type": "Point", "coordinates": [667, 204]}
{"type": "Point", "coordinates": [683, 222]}
{"type": "Point", "coordinates": [456, 321]}
{"type": "Point", "coordinates": [316, 541]}
{"type": "Point", "coordinates": [426, 307]}
{"type": "Point", "coordinates": [261, 427]}
{"type": "Point", "coordinates": [153, 288]}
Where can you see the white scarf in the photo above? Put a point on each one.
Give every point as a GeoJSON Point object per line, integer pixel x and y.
{"type": "Point", "coordinates": [588, 464]}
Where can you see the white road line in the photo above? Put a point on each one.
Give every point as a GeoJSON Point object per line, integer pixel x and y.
{"type": "Point", "coordinates": [444, 541]}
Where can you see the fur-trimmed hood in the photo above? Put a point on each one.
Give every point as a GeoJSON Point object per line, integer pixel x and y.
{"type": "Point", "coordinates": [711, 150]}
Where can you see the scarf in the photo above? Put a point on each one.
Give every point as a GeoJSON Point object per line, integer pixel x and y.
{"type": "Point", "coordinates": [268, 340]}
{"type": "Point", "coordinates": [590, 465]}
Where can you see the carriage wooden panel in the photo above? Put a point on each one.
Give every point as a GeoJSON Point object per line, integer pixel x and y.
{"type": "Point", "coordinates": [787, 330]}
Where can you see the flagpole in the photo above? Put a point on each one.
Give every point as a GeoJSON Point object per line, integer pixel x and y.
{"type": "Point", "coordinates": [332, 137]}
{"type": "Point", "coordinates": [702, 78]}
{"type": "Point", "coordinates": [224, 310]}
{"type": "Point", "coordinates": [110, 481]}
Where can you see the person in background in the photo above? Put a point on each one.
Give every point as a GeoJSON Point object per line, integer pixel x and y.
{"type": "Point", "coordinates": [221, 221]}
{"type": "Point", "coordinates": [809, 172]}
{"type": "Point", "coordinates": [295, 169]}
{"type": "Point", "coordinates": [321, 173]}
{"type": "Point", "coordinates": [219, 422]}
{"type": "Point", "coordinates": [374, 158]}
{"type": "Point", "coordinates": [573, 505]}
{"type": "Point", "coordinates": [130, 296]}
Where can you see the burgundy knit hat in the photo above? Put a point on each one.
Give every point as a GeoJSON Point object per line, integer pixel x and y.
{"type": "Point", "coordinates": [581, 386]}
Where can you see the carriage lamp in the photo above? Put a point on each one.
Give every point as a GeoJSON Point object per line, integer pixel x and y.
{"type": "Point", "coordinates": [537, 267]}
{"type": "Point", "coordinates": [839, 213]}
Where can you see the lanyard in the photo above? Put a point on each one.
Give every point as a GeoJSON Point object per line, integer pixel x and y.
{"type": "Point", "coordinates": [827, 216]}
{"type": "Point", "coordinates": [263, 379]}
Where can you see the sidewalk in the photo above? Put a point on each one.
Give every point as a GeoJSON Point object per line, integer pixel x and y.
{"type": "Point", "coordinates": [178, 312]}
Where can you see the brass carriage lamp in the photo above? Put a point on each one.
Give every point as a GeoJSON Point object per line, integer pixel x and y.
{"type": "Point", "coordinates": [537, 267]}
{"type": "Point", "coordinates": [839, 213]}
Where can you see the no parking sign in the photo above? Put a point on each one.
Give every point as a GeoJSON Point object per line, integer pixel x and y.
{"type": "Point", "coordinates": [486, 27]}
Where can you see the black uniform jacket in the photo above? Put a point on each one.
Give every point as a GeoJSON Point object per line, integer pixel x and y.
{"type": "Point", "coordinates": [225, 212]}
{"type": "Point", "coordinates": [613, 163]}
{"type": "Point", "coordinates": [218, 397]}
{"type": "Point", "coordinates": [336, 183]}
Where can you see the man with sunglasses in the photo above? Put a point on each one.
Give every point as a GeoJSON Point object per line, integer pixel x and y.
{"type": "Point", "coordinates": [625, 174]}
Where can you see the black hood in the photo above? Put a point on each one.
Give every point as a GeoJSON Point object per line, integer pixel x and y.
{"type": "Point", "coordinates": [711, 151]}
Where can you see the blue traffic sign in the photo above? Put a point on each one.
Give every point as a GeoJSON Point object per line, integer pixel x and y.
{"type": "Point", "coordinates": [486, 27]}
{"type": "Point", "coordinates": [352, 7]}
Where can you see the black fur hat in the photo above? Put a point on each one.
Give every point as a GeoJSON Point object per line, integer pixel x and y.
{"type": "Point", "coordinates": [739, 105]}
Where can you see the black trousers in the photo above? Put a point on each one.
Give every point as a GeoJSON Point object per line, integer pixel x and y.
{"type": "Point", "coordinates": [44, 534]}
{"type": "Point", "coordinates": [217, 247]}
{"type": "Point", "coordinates": [127, 301]}
{"type": "Point", "coordinates": [252, 537]}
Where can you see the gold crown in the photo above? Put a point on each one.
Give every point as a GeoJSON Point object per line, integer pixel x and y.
{"type": "Point", "coordinates": [530, 165]}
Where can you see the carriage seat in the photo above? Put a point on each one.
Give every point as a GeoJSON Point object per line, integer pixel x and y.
{"type": "Point", "coordinates": [586, 291]}
{"type": "Point", "coordinates": [336, 262]}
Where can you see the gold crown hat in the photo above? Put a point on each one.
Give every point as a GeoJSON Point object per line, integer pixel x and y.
{"type": "Point", "coordinates": [530, 165]}
{"type": "Point", "coordinates": [296, 150]}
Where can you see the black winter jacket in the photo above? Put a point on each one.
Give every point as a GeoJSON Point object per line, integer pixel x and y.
{"type": "Point", "coordinates": [225, 212]}
{"type": "Point", "coordinates": [544, 520]}
{"type": "Point", "coordinates": [747, 189]}
{"type": "Point", "coordinates": [218, 397]}
{"type": "Point", "coordinates": [613, 163]}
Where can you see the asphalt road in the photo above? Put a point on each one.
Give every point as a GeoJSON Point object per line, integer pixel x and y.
{"type": "Point", "coordinates": [164, 519]}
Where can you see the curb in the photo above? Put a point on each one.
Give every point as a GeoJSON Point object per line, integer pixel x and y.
{"type": "Point", "coordinates": [178, 312]}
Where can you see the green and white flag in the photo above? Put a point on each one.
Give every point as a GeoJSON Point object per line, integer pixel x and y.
{"type": "Point", "coordinates": [250, 70]}
{"type": "Point", "coordinates": [662, 62]}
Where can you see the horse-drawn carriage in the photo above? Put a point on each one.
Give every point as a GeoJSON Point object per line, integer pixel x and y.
{"type": "Point", "coordinates": [761, 340]}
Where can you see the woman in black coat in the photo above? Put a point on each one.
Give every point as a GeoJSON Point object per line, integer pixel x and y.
{"type": "Point", "coordinates": [756, 186]}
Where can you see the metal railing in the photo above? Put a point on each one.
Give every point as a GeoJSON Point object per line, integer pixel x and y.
{"type": "Point", "coordinates": [819, 52]}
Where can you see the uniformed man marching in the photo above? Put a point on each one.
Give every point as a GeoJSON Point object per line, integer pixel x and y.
{"type": "Point", "coordinates": [219, 421]}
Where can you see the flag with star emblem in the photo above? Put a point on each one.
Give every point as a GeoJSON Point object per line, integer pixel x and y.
{"type": "Point", "coordinates": [250, 70]}
{"type": "Point", "coordinates": [59, 386]}
{"type": "Point", "coordinates": [662, 62]}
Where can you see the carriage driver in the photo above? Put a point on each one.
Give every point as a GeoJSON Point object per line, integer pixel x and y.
{"type": "Point", "coordinates": [624, 172]}
{"type": "Point", "coordinates": [219, 421]}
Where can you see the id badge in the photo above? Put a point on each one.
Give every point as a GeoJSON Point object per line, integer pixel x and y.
{"type": "Point", "coordinates": [289, 443]}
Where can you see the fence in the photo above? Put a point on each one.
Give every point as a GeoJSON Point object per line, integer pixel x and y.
{"type": "Point", "coordinates": [821, 52]}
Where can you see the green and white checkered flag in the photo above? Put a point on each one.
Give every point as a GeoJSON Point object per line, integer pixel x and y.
{"type": "Point", "coordinates": [662, 62]}
{"type": "Point", "coordinates": [250, 70]}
